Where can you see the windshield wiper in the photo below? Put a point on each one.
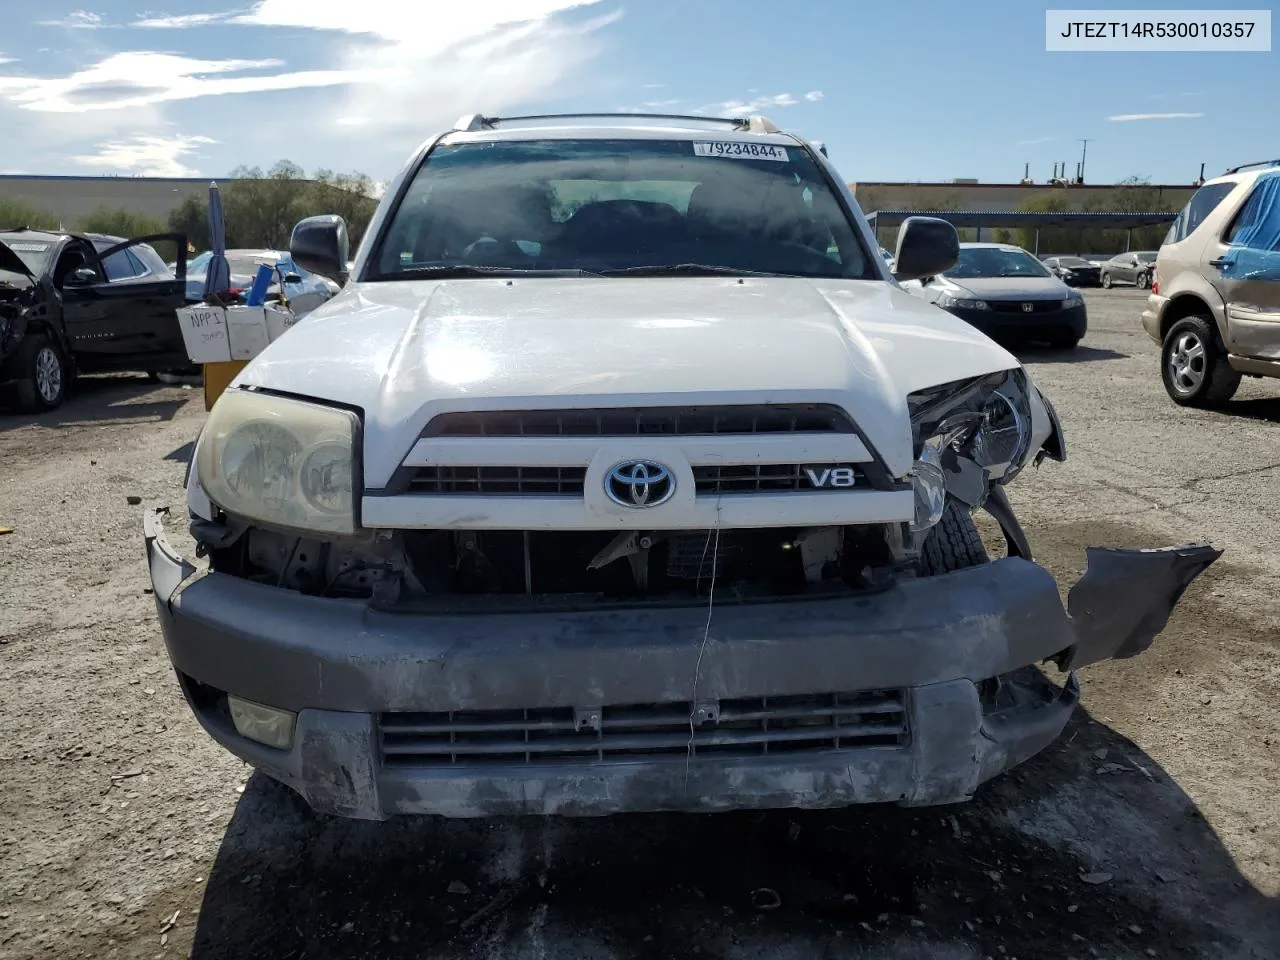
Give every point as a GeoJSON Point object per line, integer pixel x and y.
{"type": "Point", "coordinates": [459, 270]}
{"type": "Point", "coordinates": [688, 270]}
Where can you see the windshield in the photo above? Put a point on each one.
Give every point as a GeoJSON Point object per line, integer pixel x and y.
{"type": "Point", "coordinates": [605, 206]}
{"type": "Point", "coordinates": [34, 253]}
{"type": "Point", "coordinates": [995, 262]}
{"type": "Point", "coordinates": [1073, 262]}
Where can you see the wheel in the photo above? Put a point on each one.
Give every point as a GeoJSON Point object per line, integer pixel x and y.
{"type": "Point", "coordinates": [45, 374]}
{"type": "Point", "coordinates": [1143, 281]}
{"type": "Point", "coordinates": [1106, 281]}
{"type": "Point", "coordinates": [1194, 365]}
{"type": "Point", "coordinates": [953, 544]}
{"type": "Point", "coordinates": [1063, 340]}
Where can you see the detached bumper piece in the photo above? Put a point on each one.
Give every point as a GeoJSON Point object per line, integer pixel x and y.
{"type": "Point", "coordinates": [915, 695]}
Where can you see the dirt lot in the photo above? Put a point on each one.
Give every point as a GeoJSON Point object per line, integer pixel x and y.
{"type": "Point", "coordinates": [1150, 829]}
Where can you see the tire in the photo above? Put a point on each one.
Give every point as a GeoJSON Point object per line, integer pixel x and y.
{"type": "Point", "coordinates": [1106, 281]}
{"type": "Point", "coordinates": [44, 374]}
{"type": "Point", "coordinates": [1063, 340]}
{"type": "Point", "coordinates": [1193, 365]}
{"type": "Point", "coordinates": [1143, 281]}
{"type": "Point", "coordinates": [953, 544]}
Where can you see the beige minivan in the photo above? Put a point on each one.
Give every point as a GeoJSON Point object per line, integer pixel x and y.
{"type": "Point", "coordinates": [1214, 306]}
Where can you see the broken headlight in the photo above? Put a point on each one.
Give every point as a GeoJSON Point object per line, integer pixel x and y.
{"type": "Point", "coordinates": [283, 462]}
{"type": "Point", "coordinates": [968, 434]}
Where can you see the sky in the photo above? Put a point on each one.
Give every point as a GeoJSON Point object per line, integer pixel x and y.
{"type": "Point", "coordinates": [909, 90]}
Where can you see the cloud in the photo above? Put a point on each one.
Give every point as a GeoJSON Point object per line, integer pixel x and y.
{"type": "Point", "coordinates": [437, 61]}
{"type": "Point", "coordinates": [1028, 143]}
{"type": "Point", "coordinates": [181, 21]}
{"type": "Point", "coordinates": [1129, 117]}
{"type": "Point", "coordinates": [126, 80]}
{"type": "Point", "coordinates": [147, 156]}
{"type": "Point", "coordinates": [759, 104]}
{"type": "Point", "coordinates": [77, 20]}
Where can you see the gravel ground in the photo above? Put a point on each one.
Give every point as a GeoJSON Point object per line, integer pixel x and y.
{"type": "Point", "coordinates": [1150, 829]}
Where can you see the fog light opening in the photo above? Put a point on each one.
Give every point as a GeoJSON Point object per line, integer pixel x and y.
{"type": "Point", "coordinates": [265, 725]}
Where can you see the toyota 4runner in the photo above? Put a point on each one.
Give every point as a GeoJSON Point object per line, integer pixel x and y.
{"type": "Point", "coordinates": [623, 476]}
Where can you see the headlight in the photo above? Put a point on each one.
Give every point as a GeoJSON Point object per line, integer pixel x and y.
{"type": "Point", "coordinates": [1073, 297]}
{"type": "Point", "coordinates": [283, 462]}
{"type": "Point", "coordinates": [946, 301]}
{"type": "Point", "coordinates": [968, 433]}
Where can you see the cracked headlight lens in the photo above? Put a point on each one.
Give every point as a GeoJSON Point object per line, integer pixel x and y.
{"type": "Point", "coordinates": [283, 462]}
{"type": "Point", "coordinates": [969, 433]}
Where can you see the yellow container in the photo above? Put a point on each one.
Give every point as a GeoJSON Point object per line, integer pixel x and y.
{"type": "Point", "coordinates": [216, 378]}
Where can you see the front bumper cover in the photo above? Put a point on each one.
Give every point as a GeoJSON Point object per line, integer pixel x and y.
{"type": "Point", "coordinates": [340, 665]}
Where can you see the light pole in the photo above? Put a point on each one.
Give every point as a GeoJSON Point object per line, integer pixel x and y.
{"type": "Point", "coordinates": [1084, 150]}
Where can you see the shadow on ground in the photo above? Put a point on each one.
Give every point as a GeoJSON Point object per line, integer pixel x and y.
{"type": "Point", "coordinates": [101, 399]}
{"type": "Point", "coordinates": [1034, 353]}
{"type": "Point", "coordinates": [1053, 860]}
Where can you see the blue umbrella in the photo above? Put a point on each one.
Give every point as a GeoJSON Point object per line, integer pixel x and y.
{"type": "Point", "coordinates": [218, 277]}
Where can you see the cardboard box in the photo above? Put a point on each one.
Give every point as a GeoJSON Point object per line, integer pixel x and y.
{"type": "Point", "coordinates": [246, 332]}
{"type": "Point", "coordinates": [279, 320]}
{"type": "Point", "coordinates": [204, 332]}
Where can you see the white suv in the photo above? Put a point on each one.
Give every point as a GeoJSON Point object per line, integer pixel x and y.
{"type": "Point", "coordinates": [623, 476]}
{"type": "Point", "coordinates": [1215, 302]}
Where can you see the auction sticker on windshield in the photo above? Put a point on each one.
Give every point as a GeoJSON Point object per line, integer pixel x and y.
{"type": "Point", "coordinates": [738, 150]}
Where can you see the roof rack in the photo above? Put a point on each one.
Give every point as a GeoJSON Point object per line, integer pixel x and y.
{"type": "Point", "coordinates": [473, 122]}
{"type": "Point", "coordinates": [1249, 166]}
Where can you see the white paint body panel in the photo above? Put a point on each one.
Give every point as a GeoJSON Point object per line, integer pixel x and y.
{"type": "Point", "coordinates": [403, 352]}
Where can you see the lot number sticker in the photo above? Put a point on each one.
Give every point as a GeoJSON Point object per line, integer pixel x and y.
{"type": "Point", "coordinates": [739, 151]}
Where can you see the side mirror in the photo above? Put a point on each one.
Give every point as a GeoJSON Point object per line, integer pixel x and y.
{"type": "Point", "coordinates": [926, 246]}
{"type": "Point", "coordinates": [292, 278]}
{"type": "Point", "coordinates": [81, 277]}
{"type": "Point", "coordinates": [320, 245]}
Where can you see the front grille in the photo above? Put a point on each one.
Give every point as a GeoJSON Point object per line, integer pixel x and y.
{"type": "Point", "coordinates": [1016, 306]}
{"type": "Point", "coordinates": [731, 728]}
{"type": "Point", "coordinates": [775, 478]}
{"type": "Point", "coordinates": [643, 421]}
{"type": "Point", "coordinates": [569, 481]}
{"type": "Point", "coordinates": [553, 481]}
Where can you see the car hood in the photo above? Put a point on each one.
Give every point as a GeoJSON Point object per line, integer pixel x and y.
{"type": "Point", "coordinates": [406, 351]}
{"type": "Point", "coordinates": [1012, 288]}
{"type": "Point", "coordinates": [12, 262]}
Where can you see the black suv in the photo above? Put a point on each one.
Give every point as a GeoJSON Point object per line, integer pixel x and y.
{"type": "Point", "coordinates": [85, 303]}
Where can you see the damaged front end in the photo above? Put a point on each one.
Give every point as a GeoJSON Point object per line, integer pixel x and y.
{"type": "Point", "coordinates": [490, 671]}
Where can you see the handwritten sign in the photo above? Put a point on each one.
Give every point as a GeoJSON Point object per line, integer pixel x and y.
{"type": "Point", "coordinates": [204, 332]}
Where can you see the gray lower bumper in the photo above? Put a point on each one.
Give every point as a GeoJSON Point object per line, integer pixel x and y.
{"type": "Point", "coordinates": [341, 666]}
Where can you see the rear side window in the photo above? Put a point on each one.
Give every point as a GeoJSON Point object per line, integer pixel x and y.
{"type": "Point", "coordinates": [121, 266]}
{"type": "Point", "coordinates": [1257, 224]}
{"type": "Point", "coordinates": [1202, 203]}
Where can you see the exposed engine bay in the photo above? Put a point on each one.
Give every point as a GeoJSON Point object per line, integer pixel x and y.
{"type": "Point", "coordinates": [412, 567]}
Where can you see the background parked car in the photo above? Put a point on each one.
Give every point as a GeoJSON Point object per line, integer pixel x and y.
{"type": "Point", "coordinates": [304, 291]}
{"type": "Point", "coordinates": [65, 309]}
{"type": "Point", "coordinates": [1073, 271]}
{"type": "Point", "coordinates": [1134, 267]}
{"type": "Point", "coordinates": [1215, 306]}
{"type": "Point", "coordinates": [1004, 291]}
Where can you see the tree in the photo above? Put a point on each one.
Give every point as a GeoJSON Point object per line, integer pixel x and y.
{"type": "Point", "coordinates": [15, 213]}
{"type": "Point", "coordinates": [192, 218]}
{"type": "Point", "coordinates": [349, 195]}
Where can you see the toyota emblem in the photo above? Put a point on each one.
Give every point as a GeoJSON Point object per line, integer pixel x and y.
{"type": "Point", "coordinates": [639, 483]}
{"type": "Point", "coordinates": [1028, 307]}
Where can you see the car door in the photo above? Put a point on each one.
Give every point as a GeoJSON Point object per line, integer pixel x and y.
{"type": "Point", "coordinates": [1244, 267]}
{"type": "Point", "coordinates": [127, 315]}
